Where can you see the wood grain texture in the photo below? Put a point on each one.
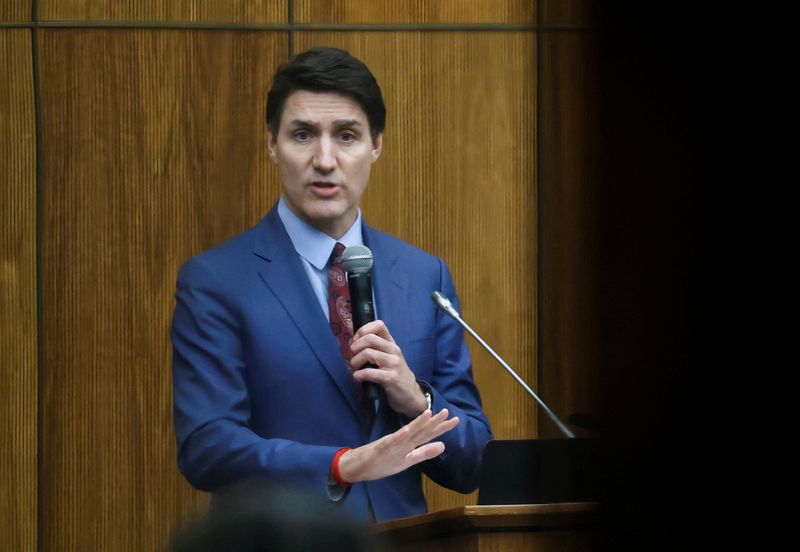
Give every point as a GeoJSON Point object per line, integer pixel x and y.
{"type": "Point", "coordinates": [415, 11]}
{"type": "Point", "coordinates": [457, 179]}
{"type": "Point", "coordinates": [507, 516]}
{"type": "Point", "coordinates": [14, 11]}
{"type": "Point", "coordinates": [154, 149]}
{"type": "Point", "coordinates": [18, 332]}
{"type": "Point", "coordinates": [567, 319]}
{"type": "Point", "coordinates": [217, 11]}
{"type": "Point", "coordinates": [541, 541]}
{"type": "Point", "coordinates": [569, 526]}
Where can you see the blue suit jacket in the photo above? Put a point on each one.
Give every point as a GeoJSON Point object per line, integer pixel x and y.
{"type": "Point", "coordinates": [261, 389]}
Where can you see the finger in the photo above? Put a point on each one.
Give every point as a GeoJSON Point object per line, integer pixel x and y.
{"type": "Point", "coordinates": [413, 428]}
{"type": "Point", "coordinates": [377, 327]}
{"type": "Point", "coordinates": [378, 358]}
{"type": "Point", "coordinates": [373, 341]}
{"type": "Point", "coordinates": [425, 452]}
{"type": "Point", "coordinates": [375, 375]}
{"type": "Point", "coordinates": [445, 426]}
{"type": "Point", "coordinates": [438, 430]}
{"type": "Point", "coordinates": [424, 427]}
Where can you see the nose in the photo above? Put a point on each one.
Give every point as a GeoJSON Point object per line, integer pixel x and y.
{"type": "Point", "coordinates": [325, 156]}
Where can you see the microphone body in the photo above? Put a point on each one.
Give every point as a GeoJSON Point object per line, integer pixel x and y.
{"type": "Point", "coordinates": [361, 299]}
{"type": "Point", "coordinates": [357, 260]}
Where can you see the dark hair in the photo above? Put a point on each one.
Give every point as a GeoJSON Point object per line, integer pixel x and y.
{"type": "Point", "coordinates": [327, 70]}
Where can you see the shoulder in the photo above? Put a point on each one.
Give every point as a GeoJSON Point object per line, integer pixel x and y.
{"type": "Point", "coordinates": [407, 263]}
{"type": "Point", "coordinates": [228, 261]}
{"type": "Point", "coordinates": [387, 244]}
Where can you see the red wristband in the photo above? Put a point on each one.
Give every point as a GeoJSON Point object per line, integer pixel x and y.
{"type": "Point", "coordinates": [335, 468]}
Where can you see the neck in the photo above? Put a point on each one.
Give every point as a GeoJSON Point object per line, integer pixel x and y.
{"type": "Point", "coordinates": [334, 227]}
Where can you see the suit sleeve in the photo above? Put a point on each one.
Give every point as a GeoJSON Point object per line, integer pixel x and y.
{"type": "Point", "coordinates": [453, 388]}
{"type": "Point", "coordinates": [216, 446]}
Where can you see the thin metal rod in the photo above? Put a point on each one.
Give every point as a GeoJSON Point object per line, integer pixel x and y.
{"type": "Point", "coordinates": [444, 303]}
{"type": "Point", "coordinates": [502, 362]}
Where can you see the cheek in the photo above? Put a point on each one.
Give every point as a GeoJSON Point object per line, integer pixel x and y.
{"type": "Point", "coordinates": [366, 168]}
{"type": "Point", "coordinates": [289, 165]}
{"type": "Point", "coordinates": [358, 174]}
{"type": "Point", "coordinates": [360, 164]}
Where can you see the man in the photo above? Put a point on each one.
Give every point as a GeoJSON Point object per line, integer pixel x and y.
{"type": "Point", "coordinates": [266, 382]}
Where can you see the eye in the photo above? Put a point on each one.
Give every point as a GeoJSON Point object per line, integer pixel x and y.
{"type": "Point", "coordinates": [301, 135]}
{"type": "Point", "coordinates": [348, 136]}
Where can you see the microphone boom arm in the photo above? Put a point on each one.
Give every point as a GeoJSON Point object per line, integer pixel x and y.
{"type": "Point", "coordinates": [444, 303]}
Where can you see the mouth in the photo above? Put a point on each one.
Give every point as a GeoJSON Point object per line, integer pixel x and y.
{"type": "Point", "coordinates": [324, 189]}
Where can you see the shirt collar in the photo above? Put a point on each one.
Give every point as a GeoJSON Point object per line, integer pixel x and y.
{"type": "Point", "coordinates": [312, 244]}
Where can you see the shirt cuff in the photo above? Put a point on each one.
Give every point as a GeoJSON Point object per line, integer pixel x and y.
{"type": "Point", "coordinates": [428, 392]}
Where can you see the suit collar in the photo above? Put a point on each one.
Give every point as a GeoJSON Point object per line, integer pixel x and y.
{"type": "Point", "coordinates": [314, 245]}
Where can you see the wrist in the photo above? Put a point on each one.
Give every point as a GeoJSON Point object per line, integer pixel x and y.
{"type": "Point", "coordinates": [336, 468]}
{"type": "Point", "coordinates": [422, 403]}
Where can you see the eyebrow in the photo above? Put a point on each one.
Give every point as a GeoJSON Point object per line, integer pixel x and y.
{"type": "Point", "coordinates": [347, 122]}
{"type": "Point", "coordinates": [338, 123]}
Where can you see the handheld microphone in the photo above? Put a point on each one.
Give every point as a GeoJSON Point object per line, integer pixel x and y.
{"type": "Point", "coordinates": [357, 261]}
{"type": "Point", "coordinates": [444, 304]}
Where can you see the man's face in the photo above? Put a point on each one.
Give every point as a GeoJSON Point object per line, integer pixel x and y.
{"type": "Point", "coordinates": [324, 150]}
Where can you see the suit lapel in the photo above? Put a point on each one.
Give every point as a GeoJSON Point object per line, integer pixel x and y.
{"type": "Point", "coordinates": [390, 283]}
{"type": "Point", "coordinates": [282, 270]}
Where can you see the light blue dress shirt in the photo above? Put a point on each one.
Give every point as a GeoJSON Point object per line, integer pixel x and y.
{"type": "Point", "coordinates": [315, 247]}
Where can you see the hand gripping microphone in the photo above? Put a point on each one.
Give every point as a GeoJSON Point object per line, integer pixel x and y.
{"type": "Point", "coordinates": [357, 261]}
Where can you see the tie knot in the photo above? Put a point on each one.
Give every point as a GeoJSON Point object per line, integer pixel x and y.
{"type": "Point", "coordinates": [336, 256]}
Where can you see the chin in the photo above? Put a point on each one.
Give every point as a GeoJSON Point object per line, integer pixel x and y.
{"type": "Point", "coordinates": [329, 212]}
{"type": "Point", "coordinates": [320, 218]}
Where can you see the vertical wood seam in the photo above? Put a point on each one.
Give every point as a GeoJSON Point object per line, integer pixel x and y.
{"type": "Point", "coordinates": [537, 172]}
{"type": "Point", "coordinates": [40, 342]}
{"type": "Point", "coordinates": [290, 49]}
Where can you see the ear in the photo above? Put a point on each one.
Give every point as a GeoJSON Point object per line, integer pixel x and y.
{"type": "Point", "coordinates": [271, 145]}
{"type": "Point", "coordinates": [377, 147]}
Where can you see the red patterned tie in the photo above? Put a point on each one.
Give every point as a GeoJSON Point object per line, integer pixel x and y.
{"type": "Point", "coordinates": [341, 320]}
{"type": "Point", "coordinates": [339, 304]}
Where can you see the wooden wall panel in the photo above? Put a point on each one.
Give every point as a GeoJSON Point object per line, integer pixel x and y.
{"type": "Point", "coordinates": [228, 11]}
{"type": "Point", "coordinates": [154, 149]}
{"type": "Point", "coordinates": [568, 12]}
{"type": "Point", "coordinates": [567, 322]}
{"type": "Point", "coordinates": [457, 178]}
{"type": "Point", "coordinates": [18, 333]}
{"type": "Point", "coordinates": [12, 11]}
{"type": "Point", "coordinates": [415, 11]}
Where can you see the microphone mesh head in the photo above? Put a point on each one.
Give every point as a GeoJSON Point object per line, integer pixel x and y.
{"type": "Point", "coordinates": [357, 259]}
